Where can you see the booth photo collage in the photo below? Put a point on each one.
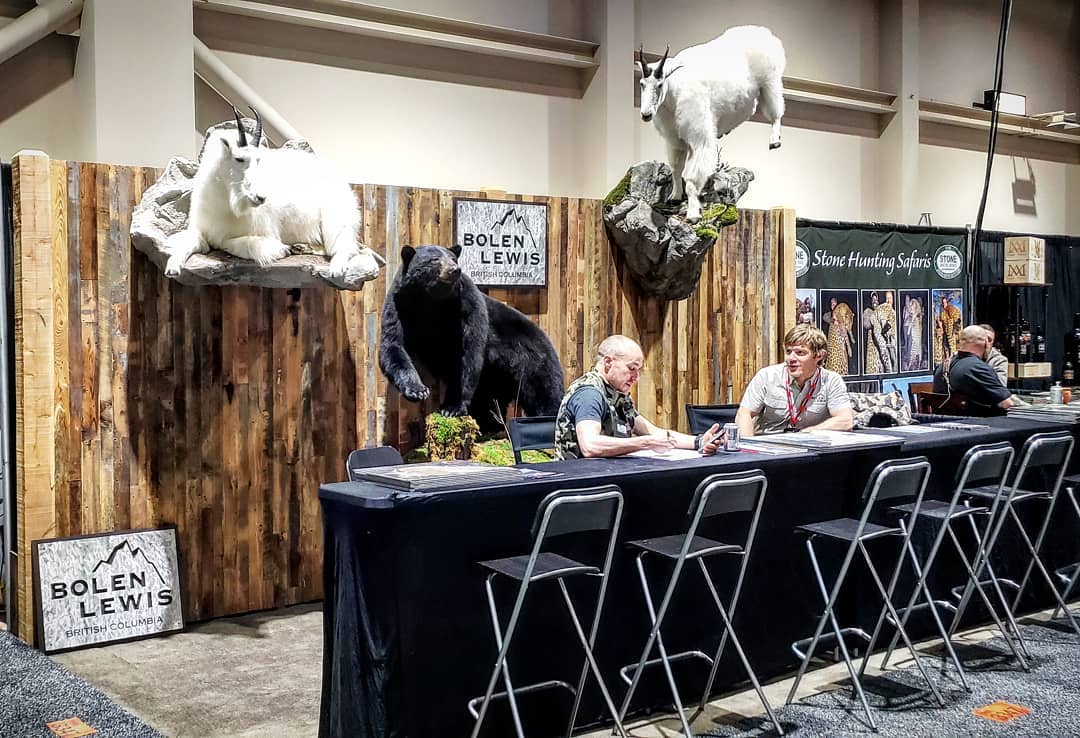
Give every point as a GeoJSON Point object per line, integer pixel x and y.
{"type": "Point", "coordinates": [876, 334]}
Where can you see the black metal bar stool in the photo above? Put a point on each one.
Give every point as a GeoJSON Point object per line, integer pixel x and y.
{"type": "Point", "coordinates": [985, 465]}
{"type": "Point", "coordinates": [1069, 574]}
{"type": "Point", "coordinates": [1047, 454]}
{"type": "Point", "coordinates": [560, 513]}
{"type": "Point", "coordinates": [894, 479]}
{"type": "Point", "coordinates": [716, 495]}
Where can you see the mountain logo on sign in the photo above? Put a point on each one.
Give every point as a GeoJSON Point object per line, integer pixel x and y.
{"type": "Point", "coordinates": [133, 552]}
{"type": "Point", "coordinates": [516, 219]}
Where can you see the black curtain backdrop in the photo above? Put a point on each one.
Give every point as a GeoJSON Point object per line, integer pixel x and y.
{"type": "Point", "coordinates": [1063, 295]}
{"type": "Point", "coordinates": [991, 299]}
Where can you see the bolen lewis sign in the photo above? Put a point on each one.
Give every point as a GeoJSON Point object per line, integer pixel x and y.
{"type": "Point", "coordinates": [109, 587]}
{"type": "Point", "coordinates": [503, 244]}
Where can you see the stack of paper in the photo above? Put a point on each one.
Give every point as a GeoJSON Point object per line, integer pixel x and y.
{"type": "Point", "coordinates": [1066, 413]}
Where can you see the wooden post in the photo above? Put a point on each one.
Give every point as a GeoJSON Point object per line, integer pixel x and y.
{"type": "Point", "coordinates": [35, 412]}
{"type": "Point", "coordinates": [783, 220]}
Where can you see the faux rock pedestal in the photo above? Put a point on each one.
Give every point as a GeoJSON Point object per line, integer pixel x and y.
{"type": "Point", "coordinates": [163, 211]}
{"type": "Point", "coordinates": [664, 252]}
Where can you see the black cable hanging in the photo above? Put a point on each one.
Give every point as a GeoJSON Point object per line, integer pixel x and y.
{"type": "Point", "coordinates": [974, 256]}
{"type": "Point", "coordinates": [991, 147]}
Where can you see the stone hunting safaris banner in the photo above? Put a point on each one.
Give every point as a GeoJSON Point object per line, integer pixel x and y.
{"type": "Point", "coordinates": [891, 304]}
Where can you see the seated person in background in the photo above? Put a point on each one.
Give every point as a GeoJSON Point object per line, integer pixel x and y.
{"type": "Point", "coordinates": [967, 374]}
{"type": "Point", "coordinates": [995, 358]}
{"type": "Point", "coordinates": [597, 416]}
{"type": "Point", "coordinates": [799, 394]}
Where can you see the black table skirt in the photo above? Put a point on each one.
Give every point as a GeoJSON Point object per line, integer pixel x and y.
{"type": "Point", "coordinates": [407, 636]}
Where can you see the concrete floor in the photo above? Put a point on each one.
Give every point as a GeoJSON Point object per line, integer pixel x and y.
{"type": "Point", "coordinates": [260, 674]}
{"type": "Point", "coordinates": [254, 675]}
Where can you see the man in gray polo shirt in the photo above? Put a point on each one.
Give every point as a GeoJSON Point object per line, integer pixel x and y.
{"type": "Point", "coordinates": [799, 394]}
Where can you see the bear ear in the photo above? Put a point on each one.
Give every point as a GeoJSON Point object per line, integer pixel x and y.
{"type": "Point", "coordinates": [456, 251]}
{"type": "Point", "coordinates": [407, 253]}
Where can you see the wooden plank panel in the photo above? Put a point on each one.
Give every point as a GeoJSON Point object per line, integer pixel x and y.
{"type": "Point", "coordinates": [73, 501]}
{"type": "Point", "coordinates": [35, 426]}
{"type": "Point", "coordinates": [60, 350]}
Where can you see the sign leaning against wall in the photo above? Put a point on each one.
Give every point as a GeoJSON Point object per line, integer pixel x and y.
{"type": "Point", "coordinates": [891, 304]}
{"type": "Point", "coordinates": [110, 587]}
{"type": "Point", "coordinates": [503, 243]}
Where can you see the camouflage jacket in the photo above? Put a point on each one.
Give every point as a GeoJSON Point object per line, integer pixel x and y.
{"type": "Point", "coordinates": [620, 411]}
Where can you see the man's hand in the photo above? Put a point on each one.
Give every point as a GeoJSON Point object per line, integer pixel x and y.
{"type": "Point", "coordinates": [711, 440]}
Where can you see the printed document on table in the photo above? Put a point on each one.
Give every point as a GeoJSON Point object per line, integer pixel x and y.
{"type": "Point", "coordinates": [825, 439]}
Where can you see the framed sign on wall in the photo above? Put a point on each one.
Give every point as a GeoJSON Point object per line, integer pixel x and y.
{"type": "Point", "coordinates": [503, 243]}
{"type": "Point", "coordinates": [96, 589]}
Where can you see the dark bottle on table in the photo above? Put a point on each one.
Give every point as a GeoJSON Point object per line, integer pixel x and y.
{"type": "Point", "coordinates": [1025, 342]}
{"type": "Point", "coordinates": [1010, 343]}
{"type": "Point", "coordinates": [1040, 344]}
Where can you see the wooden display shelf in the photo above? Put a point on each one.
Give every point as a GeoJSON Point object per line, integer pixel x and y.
{"type": "Point", "coordinates": [1017, 125]}
{"type": "Point", "coordinates": [960, 126]}
{"type": "Point", "coordinates": [217, 17]}
{"type": "Point", "coordinates": [354, 35]}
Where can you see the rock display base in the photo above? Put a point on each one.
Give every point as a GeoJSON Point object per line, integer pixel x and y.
{"type": "Point", "coordinates": [163, 211]}
{"type": "Point", "coordinates": [662, 249]}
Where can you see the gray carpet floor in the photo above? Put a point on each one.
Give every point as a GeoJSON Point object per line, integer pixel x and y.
{"type": "Point", "coordinates": [903, 706]}
{"type": "Point", "coordinates": [35, 690]}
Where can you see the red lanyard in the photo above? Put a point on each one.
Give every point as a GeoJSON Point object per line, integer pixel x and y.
{"type": "Point", "coordinates": [793, 415]}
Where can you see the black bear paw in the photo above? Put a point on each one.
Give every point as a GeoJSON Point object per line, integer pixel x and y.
{"type": "Point", "coordinates": [453, 411]}
{"type": "Point", "coordinates": [415, 392]}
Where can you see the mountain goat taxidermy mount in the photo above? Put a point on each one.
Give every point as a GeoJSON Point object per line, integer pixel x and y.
{"type": "Point", "coordinates": [705, 91]}
{"type": "Point", "coordinates": [256, 202]}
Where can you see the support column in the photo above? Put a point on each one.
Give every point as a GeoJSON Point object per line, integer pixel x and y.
{"type": "Point", "coordinates": [135, 83]}
{"type": "Point", "coordinates": [899, 70]}
{"type": "Point", "coordinates": [609, 117]}
{"type": "Point", "coordinates": [1072, 194]}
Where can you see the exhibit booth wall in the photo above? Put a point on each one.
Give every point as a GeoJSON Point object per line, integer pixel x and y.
{"type": "Point", "coordinates": [141, 402]}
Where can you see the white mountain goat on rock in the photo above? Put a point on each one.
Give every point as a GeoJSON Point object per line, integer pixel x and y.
{"type": "Point", "coordinates": [255, 202]}
{"type": "Point", "coordinates": [704, 92]}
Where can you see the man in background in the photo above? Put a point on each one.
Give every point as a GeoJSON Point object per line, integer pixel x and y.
{"type": "Point", "coordinates": [995, 358]}
{"type": "Point", "coordinates": [967, 374]}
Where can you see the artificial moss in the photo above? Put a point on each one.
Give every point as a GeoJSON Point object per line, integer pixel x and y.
{"type": "Point", "coordinates": [499, 452]}
{"type": "Point", "coordinates": [450, 438]}
{"type": "Point", "coordinates": [620, 192]}
{"type": "Point", "coordinates": [496, 451]}
{"type": "Point", "coordinates": [714, 217]}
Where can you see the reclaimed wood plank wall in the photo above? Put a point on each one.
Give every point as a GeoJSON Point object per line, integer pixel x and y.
{"type": "Point", "coordinates": [143, 402]}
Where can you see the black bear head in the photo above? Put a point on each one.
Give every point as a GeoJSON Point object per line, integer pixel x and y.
{"type": "Point", "coordinates": [433, 269]}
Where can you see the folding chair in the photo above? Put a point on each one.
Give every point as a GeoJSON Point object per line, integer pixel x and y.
{"type": "Point", "coordinates": [890, 480]}
{"type": "Point", "coordinates": [987, 464]}
{"type": "Point", "coordinates": [1069, 574]}
{"type": "Point", "coordinates": [532, 434]}
{"type": "Point", "coordinates": [1045, 454]}
{"type": "Point", "coordinates": [560, 513]}
{"type": "Point", "coordinates": [716, 495]}
{"type": "Point", "coordinates": [363, 458]}
{"type": "Point", "coordinates": [701, 417]}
